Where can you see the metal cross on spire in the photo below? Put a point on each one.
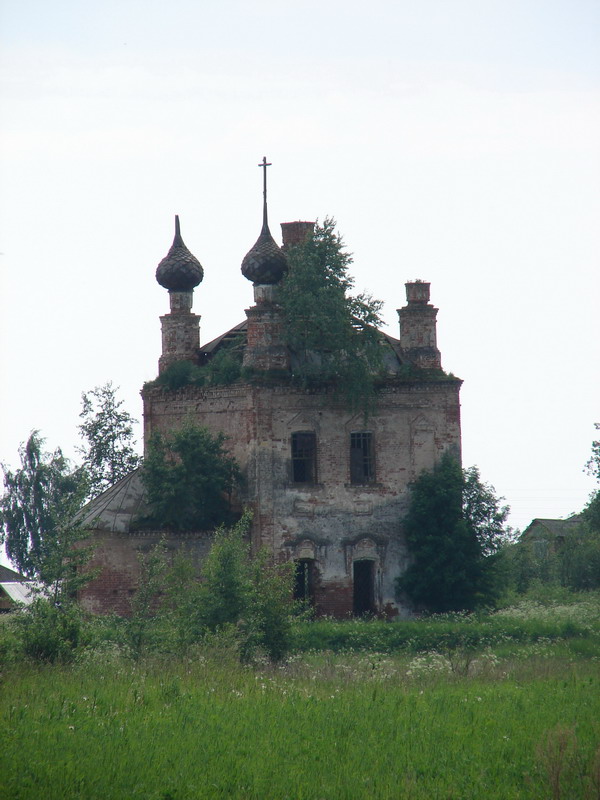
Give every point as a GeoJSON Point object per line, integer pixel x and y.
{"type": "Point", "coordinates": [264, 164]}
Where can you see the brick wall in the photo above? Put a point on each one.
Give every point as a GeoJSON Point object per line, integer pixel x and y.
{"type": "Point", "coordinates": [414, 424]}
{"type": "Point", "coordinates": [117, 560]}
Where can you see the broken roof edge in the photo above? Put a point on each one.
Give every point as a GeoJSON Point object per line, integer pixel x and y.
{"type": "Point", "coordinates": [115, 509]}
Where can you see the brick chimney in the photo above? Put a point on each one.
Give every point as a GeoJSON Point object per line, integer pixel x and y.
{"type": "Point", "coordinates": [418, 327]}
{"type": "Point", "coordinates": [295, 232]}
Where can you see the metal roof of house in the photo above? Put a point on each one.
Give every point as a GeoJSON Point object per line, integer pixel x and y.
{"type": "Point", "coordinates": [19, 592]}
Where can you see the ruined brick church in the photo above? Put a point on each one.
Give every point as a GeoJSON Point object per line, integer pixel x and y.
{"type": "Point", "coordinates": [328, 490]}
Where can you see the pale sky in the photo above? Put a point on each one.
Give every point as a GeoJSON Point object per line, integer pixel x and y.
{"type": "Point", "coordinates": [456, 141]}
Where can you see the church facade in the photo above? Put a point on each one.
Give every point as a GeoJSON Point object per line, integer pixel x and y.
{"type": "Point", "coordinates": [328, 487]}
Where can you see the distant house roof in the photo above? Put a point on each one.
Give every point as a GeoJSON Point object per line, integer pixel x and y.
{"type": "Point", "coordinates": [19, 592]}
{"type": "Point", "coordinates": [115, 509]}
{"type": "Point", "coordinates": [7, 574]}
{"type": "Point", "coordinates": [551, 528]}
{"type": "Point", "coordinates": [15, 586]}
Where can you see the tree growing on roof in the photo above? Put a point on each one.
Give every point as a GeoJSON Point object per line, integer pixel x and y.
{"type": "Point", "coordinates": [332, 332]}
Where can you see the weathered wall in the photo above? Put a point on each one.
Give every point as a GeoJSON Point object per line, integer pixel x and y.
{"type": "Point", "coordinates": [333, 522]}
{"type": "Point", "coordinates": [117, 558]}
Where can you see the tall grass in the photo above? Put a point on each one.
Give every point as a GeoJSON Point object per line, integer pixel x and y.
{"type": "Point", "coordinates": [527, 622]}
{"type": "Point", "coordinates": [501, 706]}
{"type": "Point", "coordinates": [321, 726]}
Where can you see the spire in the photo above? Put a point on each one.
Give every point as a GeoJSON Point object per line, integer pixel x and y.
{"type": "Point", "coordinates": [265, 263]}
{"type": "Point", "coordinates": [264, 165]}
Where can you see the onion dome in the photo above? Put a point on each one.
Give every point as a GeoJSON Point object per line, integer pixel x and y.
{"type": "Point", "coordinates": [265, 263]}
{"type": "Point", "coordinates": [179, 271]}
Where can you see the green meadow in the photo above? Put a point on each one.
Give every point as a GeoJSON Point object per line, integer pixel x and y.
{"type": "Point", "coordinates": [503, 713]}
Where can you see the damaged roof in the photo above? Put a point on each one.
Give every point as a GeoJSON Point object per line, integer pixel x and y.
{"type": "Point", "coordinates": [115, 509]}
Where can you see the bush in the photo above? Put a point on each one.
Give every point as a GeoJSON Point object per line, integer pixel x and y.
{"type": "Point", "coordinates": [224, 368]}
{"type": "Point", "coordinates": [254, 595]}
{"type": "Point", "coordinates": [49, 632]}
{"type": "Point", "coordinates": [271, 606]}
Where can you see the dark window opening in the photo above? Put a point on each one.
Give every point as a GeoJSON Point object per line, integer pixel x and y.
{"type": "Point", "coordinates": [304, 457]}
{"type": "Point", "coordinates": [362, 458]}
{"type": "Point", "coordinates": [364, 588]}
{"type": "Point", "coordinates": [304, 584]}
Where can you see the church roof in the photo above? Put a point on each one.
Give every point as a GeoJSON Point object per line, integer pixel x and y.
{"type": "Point", "coordinates": [265, 262]}
{"type": "Point", "coordinates": [116, 508]}
{"type": "Point", "coordinates": [179, 270]}
{"type": "Point", "coordinates": [393, 357]}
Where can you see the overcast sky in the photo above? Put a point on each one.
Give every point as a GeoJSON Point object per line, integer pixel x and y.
{"type": "Point", "coordinates": [456, 141]}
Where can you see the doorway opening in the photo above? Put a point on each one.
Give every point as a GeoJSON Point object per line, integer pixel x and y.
{"type": "Point", "coordinates": [364, 587]}
{"type": "Point", "coordinates": [304, 583]}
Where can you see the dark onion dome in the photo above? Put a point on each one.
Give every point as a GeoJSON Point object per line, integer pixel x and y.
{"type": "Point", "coordinates": [265, 263]}
{"type": "Point", "coordinates": [179, 271]}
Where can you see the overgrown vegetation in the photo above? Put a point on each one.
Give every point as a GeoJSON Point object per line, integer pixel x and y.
{"type": "Point", "coordinates": [332, 332]}
{"type": "Point", "coordinates": [512, 715]}
{"type": "Point", "coordinates": [41, 498]}
{"type": "Point", "coordinates": [107, 433]}
{"type": "Point", "coordinates": [243, 600]}
{"type": "Point", "coordinates": [453, 527]}
{"type": "Point", "coordinates": [223, 368]}
{"type": "Point", "coordinates": [570, 561]}
{"type": "Point", "coordinates": [190, 479]}
{"type": "Point", "coordinates": [573, 564]}
{"type": "Point", "coordinates": [37, 509]}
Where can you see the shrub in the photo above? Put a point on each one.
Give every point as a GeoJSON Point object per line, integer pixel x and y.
{"type": "Point", "coordinates": [49, 632]}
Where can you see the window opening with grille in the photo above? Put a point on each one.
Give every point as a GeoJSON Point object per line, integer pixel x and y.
{"type": "Point", "coordinates": [304, 457]}
{"type": "Point", "coordinates": [362, 457]}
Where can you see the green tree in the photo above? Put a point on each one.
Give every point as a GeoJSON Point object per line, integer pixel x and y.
{"type": "Point", "coordinates": [107, 430]}
{"type": "Point", "coordinates": [226, 580]}
{"type": "Point", "coordinates": [447, 571]}
{"type": "Point", "coordinates": [248, 599]}
{"type": "Point", "coordinates": [146, 601]}
{"type": "Point", "coordinates": [252, 594]}
{"type": "Point", "coordinates": [37, 510]}
{"type": "Point", "coordinates": [271, 604]}
{"type": "Point", "coordinates": [481, 507]}
{"type": "Point", "coordinates": [189, 479]}
{"type": "Point", "coordinates": [331, 331]}
{"type": "Point", "coordinates": [593, 464]}
{"type": "Point", "coordinates": [591, 512]}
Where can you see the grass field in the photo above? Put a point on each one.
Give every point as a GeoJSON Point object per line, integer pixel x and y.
{"type": "Point", "coordinates": [517, 720]}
